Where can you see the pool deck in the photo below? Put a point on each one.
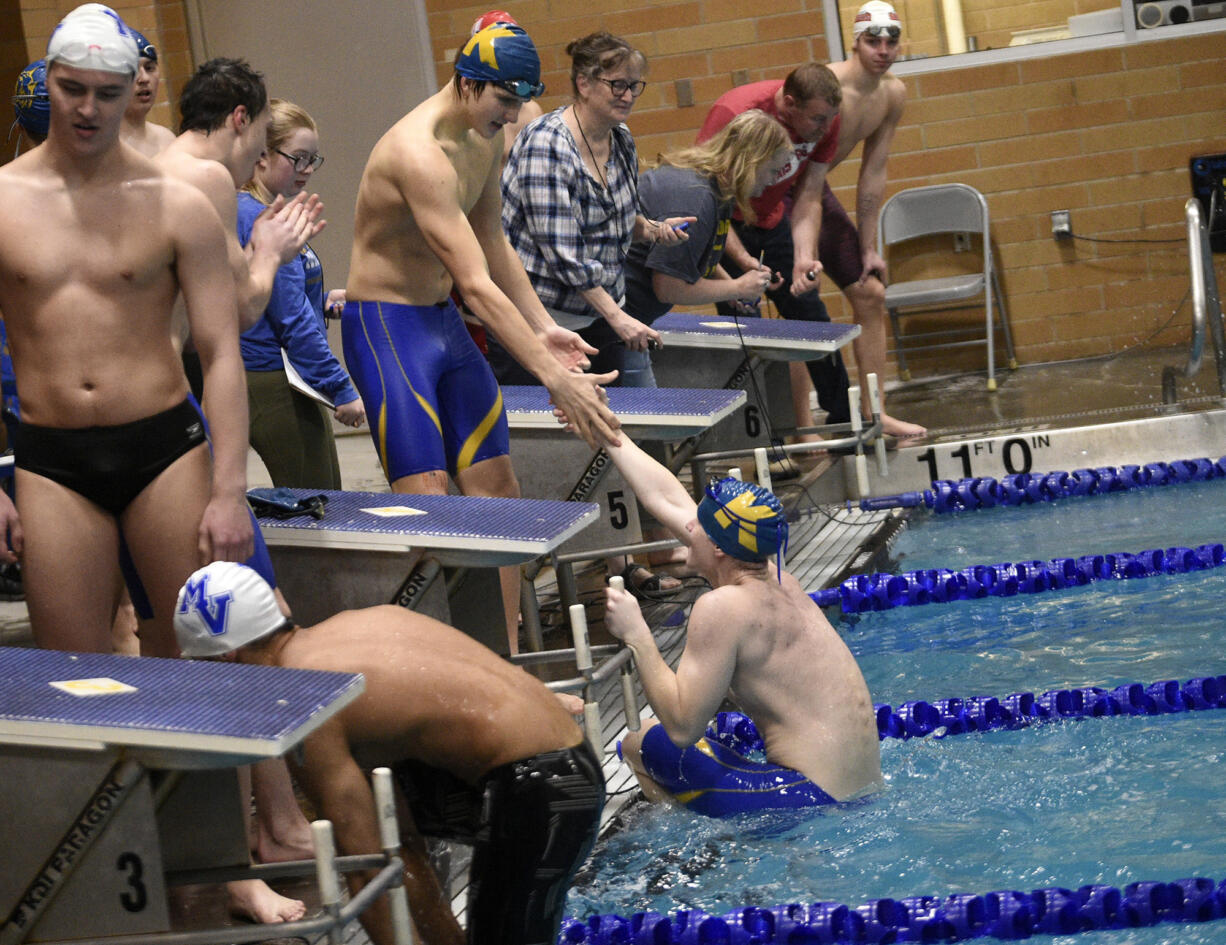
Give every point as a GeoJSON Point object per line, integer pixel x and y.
{"type": "Point", "coordinates": [828, 541]}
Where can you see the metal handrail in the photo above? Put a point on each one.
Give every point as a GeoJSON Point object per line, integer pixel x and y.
{"type": "Point", "coordinates": [1206, 306]}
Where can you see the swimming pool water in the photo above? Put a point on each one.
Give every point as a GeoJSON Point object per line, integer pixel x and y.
{"type": "Point", "coordinates": [1111, 801]}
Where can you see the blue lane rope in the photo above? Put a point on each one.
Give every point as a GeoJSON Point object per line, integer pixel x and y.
{"type": "Point", "coordinates": [955, 716]}
{"type": "Point", "coordinates": [1006, 914]}
{"type": "Point", "coordinates": [1020, 709]}
{"type": "Point", "coordinates": [862, 593]}
{"type": "Point", "coordinates": [982, 492]}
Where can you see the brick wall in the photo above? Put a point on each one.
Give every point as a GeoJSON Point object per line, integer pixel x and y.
{"type": "Point", "coordinates": [1105, 134]}
{"type": "Point", "coordinates": [28, 23]}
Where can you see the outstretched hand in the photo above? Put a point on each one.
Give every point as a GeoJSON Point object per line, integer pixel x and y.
{"type": "Point", "coordinates": [570, 350]}
{"type": "Point", "coordinates": [582, 407]}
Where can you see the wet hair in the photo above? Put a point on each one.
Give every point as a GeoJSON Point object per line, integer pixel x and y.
{"type": "Point", "coordinates": [218, 87]}
{"type": "Point", "coordinates": [286, 118]}
{"type": "Point", "coordinates": [600, 52]}
{"type": "Point", "coordinates": [475, 86]}
{"type": "Point", "coordinates": [813, 80]}
{"type": "Point", "coordinates": [734, 155]}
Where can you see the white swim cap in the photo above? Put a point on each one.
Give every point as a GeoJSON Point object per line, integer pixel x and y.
{"type": "Point", "coordinates": [877, 17]}
{"type": "Point", "coordinates": [224, 606]}
{"type": "Point", "coordinates": [94, 37]}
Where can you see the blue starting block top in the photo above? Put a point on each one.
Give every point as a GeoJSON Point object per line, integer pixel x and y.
{"type": "Point", "coordinates": [680, 411]}
{"type": "Point", "coordinates": [774, 338]}
{"type": "Point", "coordinates": [460, 530]}
{"type": "Point", "coordinates": [168, 713]}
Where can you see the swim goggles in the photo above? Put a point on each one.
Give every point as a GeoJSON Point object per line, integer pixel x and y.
{"type": "Point", "coordinates": [891, 31]}
{"type": "Point", "coordinates": [76, 52]}
{"type": "Point", "coordinates": [522, 88]}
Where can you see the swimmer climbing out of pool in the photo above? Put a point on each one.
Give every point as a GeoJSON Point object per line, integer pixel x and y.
{"type": "Point", "coordinates": [483, 753]}
{"type": "Point", "coordinates": [755, 639]}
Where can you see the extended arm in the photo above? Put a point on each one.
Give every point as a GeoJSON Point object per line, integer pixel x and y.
{"type": "Point", "coordinates": [656, 488]}
{"type": "Point", "coordinates": [749, 286]}
{"type": "Point", "coordinates": [461, 242]}
{"type": "Point", "coordinates": [208, 290]}
{"type": "Point", "coordinates": [686, 700]}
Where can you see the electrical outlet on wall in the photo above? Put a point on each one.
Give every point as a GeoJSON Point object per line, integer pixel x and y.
{"type": "Point", "coordinates": [962, 242]}
{"type": "Point", "coordinates": [1061, 225]}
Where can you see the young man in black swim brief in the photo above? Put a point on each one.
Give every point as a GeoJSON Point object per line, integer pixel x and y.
{"type": "Point", "coordinates": [87, 300]}
{"type": "Point", "coordinates": [482, 751]}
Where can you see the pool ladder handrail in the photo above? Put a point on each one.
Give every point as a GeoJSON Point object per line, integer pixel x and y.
{"type": "Point", "coordinates": [1206, 304]}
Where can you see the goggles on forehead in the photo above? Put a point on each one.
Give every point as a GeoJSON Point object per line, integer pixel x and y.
{"type": "Point", "coordinates": [76, 53]}
{"type": "Point", "coordinates": [521, 88]}
{"type": "Point", "coordinates": [893, 32]}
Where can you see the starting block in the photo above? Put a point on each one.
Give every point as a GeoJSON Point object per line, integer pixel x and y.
{"type": "Point", "coordinates": [551, 463]}
{"type": "Point", "coordinates": [745, 354]}
{"type": "Point", "coordinates": [360, 552]}
{"type": "Point", "coordinates": [90, 838]}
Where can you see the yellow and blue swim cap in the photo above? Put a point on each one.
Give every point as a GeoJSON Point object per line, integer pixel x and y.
{"type": "Point", "coordinates": [503, 55]}
{"type": "Point", "coordinates": [31, 103]}
{"type": "Point", "coordinates": [744, 520]}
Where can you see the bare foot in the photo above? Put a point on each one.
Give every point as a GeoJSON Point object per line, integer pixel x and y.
{"type": "Point", "coordinates": [570, 702]}
{"type": "Point", "coordinates": [252, 899]}
{"type": "Point", "coordinates": [900, 428]}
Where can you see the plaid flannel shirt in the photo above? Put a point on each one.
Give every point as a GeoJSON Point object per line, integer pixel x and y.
{"type": "Point", "coordinates": [570, 233]}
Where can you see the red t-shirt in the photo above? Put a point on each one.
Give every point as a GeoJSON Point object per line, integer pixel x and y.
{"type": "Point", "coordinates": [769, 206]}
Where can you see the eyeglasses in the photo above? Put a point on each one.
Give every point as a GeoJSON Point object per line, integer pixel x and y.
{"type": "Point", "coordinates": [620, 87]}
{"type": "Point", "coordinates": [523, 89]}
{"type": "Point", "coordinates": [891, 31]}
{"type": "Point", "coordinates": [302, 162]}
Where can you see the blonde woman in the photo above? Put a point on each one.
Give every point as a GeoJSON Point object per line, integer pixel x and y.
{"type": "Point", "coordinates": [290, 430]}
{"type": "Point", "coordinates": [707, 181]}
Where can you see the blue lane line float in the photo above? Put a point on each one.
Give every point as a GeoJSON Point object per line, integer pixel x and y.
{"type": "Point", "coordinates": [863, 593]}
{"type": "Point", "coordinates": [956, 716]}
{"type": "Point", "coordinates": [983, 492]}
{"type": "Point", "coordinates": [1006, 914]}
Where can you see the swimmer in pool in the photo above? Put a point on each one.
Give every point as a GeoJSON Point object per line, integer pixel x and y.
{"type": "Point", "coordinates": [483, 753]}
{"type": "Point", "coordinates": [755, 639]}
{"type": "Point", "coordinates": [428, 218]}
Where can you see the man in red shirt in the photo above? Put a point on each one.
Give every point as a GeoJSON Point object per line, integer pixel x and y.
{"type": "Point", "coordinates": [792, 213]}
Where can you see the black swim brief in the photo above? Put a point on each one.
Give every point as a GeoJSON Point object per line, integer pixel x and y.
{"type": "Point", "coordinates": [531, 824]}
{"type": "Point", "coordinates": [111, 465]}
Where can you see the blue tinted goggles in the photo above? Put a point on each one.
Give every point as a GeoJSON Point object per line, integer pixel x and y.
{"type": "Point", "coordinates": [521, 88]}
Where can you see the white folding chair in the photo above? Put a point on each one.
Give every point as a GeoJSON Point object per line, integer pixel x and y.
{"type": "Point", "coordinates": [925, 211]}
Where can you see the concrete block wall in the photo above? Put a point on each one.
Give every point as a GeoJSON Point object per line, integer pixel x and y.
{"type": "Point", "coordinates": [1105, 134]}
{"type": "Point", "coordinates": [30, 22]}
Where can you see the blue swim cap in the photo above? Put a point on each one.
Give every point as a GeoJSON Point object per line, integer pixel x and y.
{"type": "Point", "coordinates": [147, 49]}
{"type": "Point", "coordinates": [744, 520]}
{"type": "Point", "coordinates": [31, 103]}
{"type": "Point", "coordinates": [504, 55]}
